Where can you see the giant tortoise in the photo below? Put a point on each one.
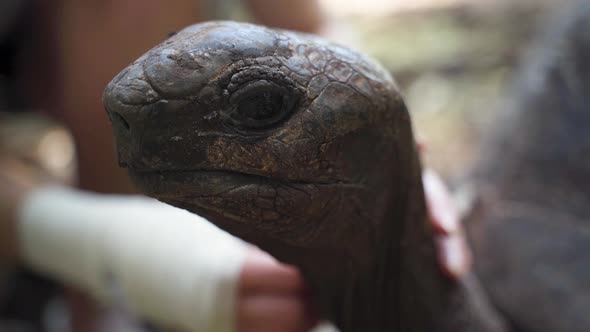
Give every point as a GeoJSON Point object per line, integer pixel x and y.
{"type": "Point", "coordinates": [305, 148]}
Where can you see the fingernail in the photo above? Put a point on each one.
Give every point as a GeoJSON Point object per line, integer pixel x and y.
{"type": "Point", "coordinates": [448, 220]}
{"type": "Point", "coordinates": [454, 255]}
{"type": "Point", "coordinates": [441, 208]}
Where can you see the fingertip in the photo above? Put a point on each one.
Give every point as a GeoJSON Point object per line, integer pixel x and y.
{"type": "Point", "coordinates": [262, 273]}
{"type": "Point", "coordinates": [266, 312]}
{"type": "Point", "coordinates": [441, 208]}
{"type": "Point", "coordinates": [420, 146]}
{"type": "Point", "coordinates": [454, 255]}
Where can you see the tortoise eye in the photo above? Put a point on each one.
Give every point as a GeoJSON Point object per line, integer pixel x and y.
{"type": "Point", "coordinates": [261, 104]}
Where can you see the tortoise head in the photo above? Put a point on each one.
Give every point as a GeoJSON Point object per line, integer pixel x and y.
{"type": "Point", "coordinates": [280, 138]}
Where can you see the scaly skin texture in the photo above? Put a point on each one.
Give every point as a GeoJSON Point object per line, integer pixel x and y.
{"type": "Point", "coordinates": [303, 148]}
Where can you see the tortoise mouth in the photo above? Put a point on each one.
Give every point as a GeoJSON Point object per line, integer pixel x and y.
{"type": "Point", "coordinates": [228, 190]}
{"type": "Point", "coordinates": [196, 183]}
{"type": "Point", "coordinates": [288, 211]}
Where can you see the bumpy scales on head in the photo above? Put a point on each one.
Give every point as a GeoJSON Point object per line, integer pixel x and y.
{"type": "Point", "coordinates": [299, 146]}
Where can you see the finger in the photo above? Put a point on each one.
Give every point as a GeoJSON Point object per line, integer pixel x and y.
{"type": "Point", "coordinates": [442, 212]}
{"type": "Point", "coordinates": [269, 313]}
{"type": "Point", "coordinates": [263, 274]}
{"type": "Point", "coordinates": [421, 146]}
{"type": "Point", "coordinates": [454, 255]}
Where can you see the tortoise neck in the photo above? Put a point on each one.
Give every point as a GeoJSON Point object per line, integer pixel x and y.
{"type": "Point", "coordinates": [406, 288]}
{"type": "Point", "coordinates": [415, 296]}
{"type": "Point", "coordinates": [400, 288]}
{"type": "Point", "coordinates": [419, 297]}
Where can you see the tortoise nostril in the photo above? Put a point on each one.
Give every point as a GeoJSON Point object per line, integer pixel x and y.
{"type": "Point", "coordinates": [123, 133]}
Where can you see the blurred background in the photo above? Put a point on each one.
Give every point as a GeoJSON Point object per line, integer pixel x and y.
{"type": "Point", "coordinates": [452, 59]}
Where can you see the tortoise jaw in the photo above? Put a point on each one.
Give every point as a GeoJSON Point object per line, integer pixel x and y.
{"type": "Point", "coordinates": [191, 183]}
{"type": "Point", "coordinates": [161, 183]}
{"type": "Point", "coordinates": [292, 212]}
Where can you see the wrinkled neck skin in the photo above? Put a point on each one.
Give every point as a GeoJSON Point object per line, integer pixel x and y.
{"type": "Point", "coordinates": [387, 278]}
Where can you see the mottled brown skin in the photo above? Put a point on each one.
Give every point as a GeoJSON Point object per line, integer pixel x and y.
{"type": "Point", "coordinates": [305, 149]}
{"type": "Point", "coordinates": [531, 227]}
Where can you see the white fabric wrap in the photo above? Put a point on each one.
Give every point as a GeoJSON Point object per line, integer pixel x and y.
{"type": "Point", "coordinates": [168, 265]}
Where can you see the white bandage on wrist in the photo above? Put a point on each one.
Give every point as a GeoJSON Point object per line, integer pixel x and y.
{"type": "Point", "coordinates": [170, 266]}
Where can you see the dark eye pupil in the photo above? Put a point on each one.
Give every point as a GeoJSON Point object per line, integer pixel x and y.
{"type": "Point", "coordinates": [261, 106]}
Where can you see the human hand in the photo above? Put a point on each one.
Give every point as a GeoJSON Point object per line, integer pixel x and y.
{"type": "Point", "coordinates": [454, 256]}
{"type": "Point", "coordinates": [271, 297]}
